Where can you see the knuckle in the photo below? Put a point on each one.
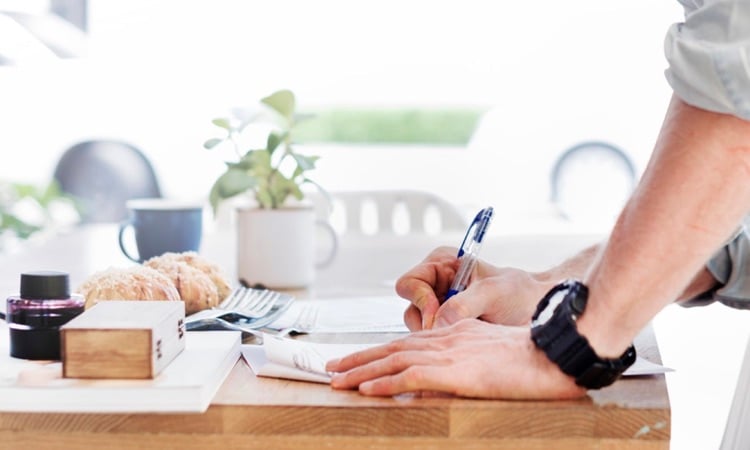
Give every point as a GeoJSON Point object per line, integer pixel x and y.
{"type": "Point", "coordinates": [413, 377]}
{"type": "Point", "coordinates": [395, 346]}
{"type": "Point", "coordinates": [397, 360]}
{"type": "Point", "coordinates": [460, 310]}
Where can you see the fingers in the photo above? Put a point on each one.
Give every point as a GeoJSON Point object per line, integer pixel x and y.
{"type": "Point", "coordinates": [422, 296]}
{"type": "Point", "coordinates": [414, 378]}
{"type": "Point", "coordinates": [471, 303]}
{"type": "Point", "coordinates": [424, 283]}
{"type": "Point", "coordinates": [391, 365]}
{"type": "Point", "coordinates": [413, 318]}
{"type": "Point", "coordinates": [422, 341]}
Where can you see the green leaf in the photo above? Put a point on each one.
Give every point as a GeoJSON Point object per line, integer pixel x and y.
{"type": "Point", "coordinates": [235, 182]}
{"type": "Point", "coordinates": [260, 161]}
{"type": "Point", "coordinates": [25, 190]}
{"type": "Point", "coordinates": [274, 139]}
{"type": "Point", "coordinates": [222, 122]}
{"type": "Point", "coordinates": [296, 191]}
{"type": "Point", "coordinates": [211, 143]}
{"type": "Point", "coordinates": [305, 162]}
{"type": "Point", "coordinates": [229, 184]}
{"type": "Point", "coordinates": [19, 227]}
{"type": "Point", "coordinates": [282, 102]}
{"type": "Point", "coordinates": [49, 195]}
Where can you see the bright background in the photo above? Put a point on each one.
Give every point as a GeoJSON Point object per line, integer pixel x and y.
{"type": "Point", "coordinates": [548, 74]}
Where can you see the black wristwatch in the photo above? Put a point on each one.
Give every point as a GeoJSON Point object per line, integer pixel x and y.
{"type": "Point", "coordinates": [553, 330]}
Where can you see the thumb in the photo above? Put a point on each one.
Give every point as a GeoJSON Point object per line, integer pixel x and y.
{"type": "Point", "coordinates": [464, 305]}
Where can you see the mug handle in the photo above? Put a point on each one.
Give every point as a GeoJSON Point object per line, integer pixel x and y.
{"type": "Point", "coordinates": [123, 226]}
{"type": "Point", "coordinates": [334, 244]}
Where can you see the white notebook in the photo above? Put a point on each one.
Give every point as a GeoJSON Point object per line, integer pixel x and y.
{"type": "Point", "coordinates": [188, 384]}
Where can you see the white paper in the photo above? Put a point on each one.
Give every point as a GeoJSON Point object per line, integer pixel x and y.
{"type": "Point", "coordinates": [280, 357]}
{"type": "Point", "coordinates": [351, 315]}
{"type": "Point", "coordinates": [642, 366]}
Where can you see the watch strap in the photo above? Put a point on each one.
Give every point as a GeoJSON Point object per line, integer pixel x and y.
{"type": "Point", "coordinates": [563, 345]}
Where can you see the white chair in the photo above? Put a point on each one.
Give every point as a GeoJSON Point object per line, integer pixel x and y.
{"type": "Point", "coordinates": [396, 212]}
{"type": "Point", "coordinates": [737, 431]}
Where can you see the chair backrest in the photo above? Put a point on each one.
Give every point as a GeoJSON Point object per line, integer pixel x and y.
{"type": "Point", "coordinates": [103, 175]}
{"type": "Point", "coordinates": [394, 212]}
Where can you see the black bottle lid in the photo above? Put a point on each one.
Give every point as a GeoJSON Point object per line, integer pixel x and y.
{"type": "Point", "coordinates": [45, 284]}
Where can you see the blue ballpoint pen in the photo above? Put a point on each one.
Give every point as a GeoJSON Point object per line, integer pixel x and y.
{"type": "Point", "coordinates": [468, 253]}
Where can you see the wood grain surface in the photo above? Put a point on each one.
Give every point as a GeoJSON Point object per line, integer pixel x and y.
{"type": "Point", "coordinates": [250, 412]}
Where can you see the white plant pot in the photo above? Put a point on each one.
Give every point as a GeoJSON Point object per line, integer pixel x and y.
{"type": "Point", "coordinates": [277, 248]}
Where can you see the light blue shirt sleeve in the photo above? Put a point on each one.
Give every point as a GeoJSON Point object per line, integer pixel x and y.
{"type": "Point", "coordinates": [730, 266]}
{"type": "Point", "coordinates": [709, 56]}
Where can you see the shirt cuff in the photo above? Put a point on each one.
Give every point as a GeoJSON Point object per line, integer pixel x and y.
{"type": "Point", "coordinates": [709, 57]}
{"type": "Point", "coordinates": [730, 266]}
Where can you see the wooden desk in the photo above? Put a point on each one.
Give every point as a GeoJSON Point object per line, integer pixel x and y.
{"type": "Point", "coordinates": [250, 412]}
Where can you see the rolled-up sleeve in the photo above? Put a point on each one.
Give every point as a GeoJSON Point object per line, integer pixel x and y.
{"type": "Point", "coordinates": [709, 56]}
{"type": "Point", "coordinates": [730, 266]}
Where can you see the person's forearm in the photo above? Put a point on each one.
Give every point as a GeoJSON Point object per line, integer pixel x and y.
{"type": "Point", "coordinates": [578, 265]}
{"type": "Point", "coordinates": [574, 267]}
{"type": "Point", "coordinates": [691, 197]}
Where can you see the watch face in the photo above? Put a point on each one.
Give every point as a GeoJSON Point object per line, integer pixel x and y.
{"type": "Point", "coordinates": [543, 315]}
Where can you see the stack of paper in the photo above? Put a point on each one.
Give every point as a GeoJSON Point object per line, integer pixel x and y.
{"type": "Point", "coordinates": [188, 384]}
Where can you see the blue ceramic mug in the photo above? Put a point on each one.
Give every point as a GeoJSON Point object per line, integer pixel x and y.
{"type": "Point", "coordinates": [162, 225]}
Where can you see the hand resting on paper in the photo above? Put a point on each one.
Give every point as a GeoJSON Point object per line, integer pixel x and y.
{"type": "Point", "coordinates": [471, 358]}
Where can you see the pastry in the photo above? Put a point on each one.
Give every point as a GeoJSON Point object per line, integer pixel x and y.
{"type": "Point", "coordinates": [213, 271]}
{"type": "Point", "coordinates": [194, 286]}
{"type": "Point", "coordinates": [134, 283]}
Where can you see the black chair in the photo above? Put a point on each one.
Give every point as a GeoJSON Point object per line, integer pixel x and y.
{"type": "Point", "coordinates": [102, 175]}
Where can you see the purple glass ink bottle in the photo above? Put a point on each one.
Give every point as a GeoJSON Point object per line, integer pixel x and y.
{"type": "Point", "coordinates": [35, 316]}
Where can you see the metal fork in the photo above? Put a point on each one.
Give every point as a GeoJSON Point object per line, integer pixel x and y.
{"type": "Point", "coordinates": [218, 319]}
{"type": "Point", "coordinates": [304, 323]}
{"type": "Point", "coordinates": [244, 303]}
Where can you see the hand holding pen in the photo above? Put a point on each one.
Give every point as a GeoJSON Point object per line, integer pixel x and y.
{"type": "Point", "coordinates": [468, 252]}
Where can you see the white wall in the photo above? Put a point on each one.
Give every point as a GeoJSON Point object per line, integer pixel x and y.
{"type": "Point", "coordinates": [553, 73]}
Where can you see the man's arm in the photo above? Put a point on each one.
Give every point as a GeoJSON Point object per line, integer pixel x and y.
{"type": "Point", "coordinates": [690, 200]}
{"type": "Point", "coordinates": [577, 266]}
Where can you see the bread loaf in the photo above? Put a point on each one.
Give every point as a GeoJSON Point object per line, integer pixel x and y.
{"type": "Point", "coordinates": [223, 288]}
{"type": "Point", "coordinates": [133, 283]}
{"type": "Point", "coordinates": [195, 287]}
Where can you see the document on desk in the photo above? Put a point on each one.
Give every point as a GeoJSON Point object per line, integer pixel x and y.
{"type": "Point", "coordinates": [281, 357]}
{"type": "Point", "coordinates": [384, 314]}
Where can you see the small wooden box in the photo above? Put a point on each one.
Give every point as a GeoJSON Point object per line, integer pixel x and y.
{"type": "Point", "coordinates": [123, 339]}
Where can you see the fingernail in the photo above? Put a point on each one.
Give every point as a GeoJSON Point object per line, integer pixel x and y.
{"type": "Point", "coordinates": [332, 364]}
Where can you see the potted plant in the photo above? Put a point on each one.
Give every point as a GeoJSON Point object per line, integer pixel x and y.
{"type": "Point", "coordinates": [265, 172]}
{"type": "Point", "coordinates": [27, 209]}
{"type": "Point", "coordinates": [276, 236]}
